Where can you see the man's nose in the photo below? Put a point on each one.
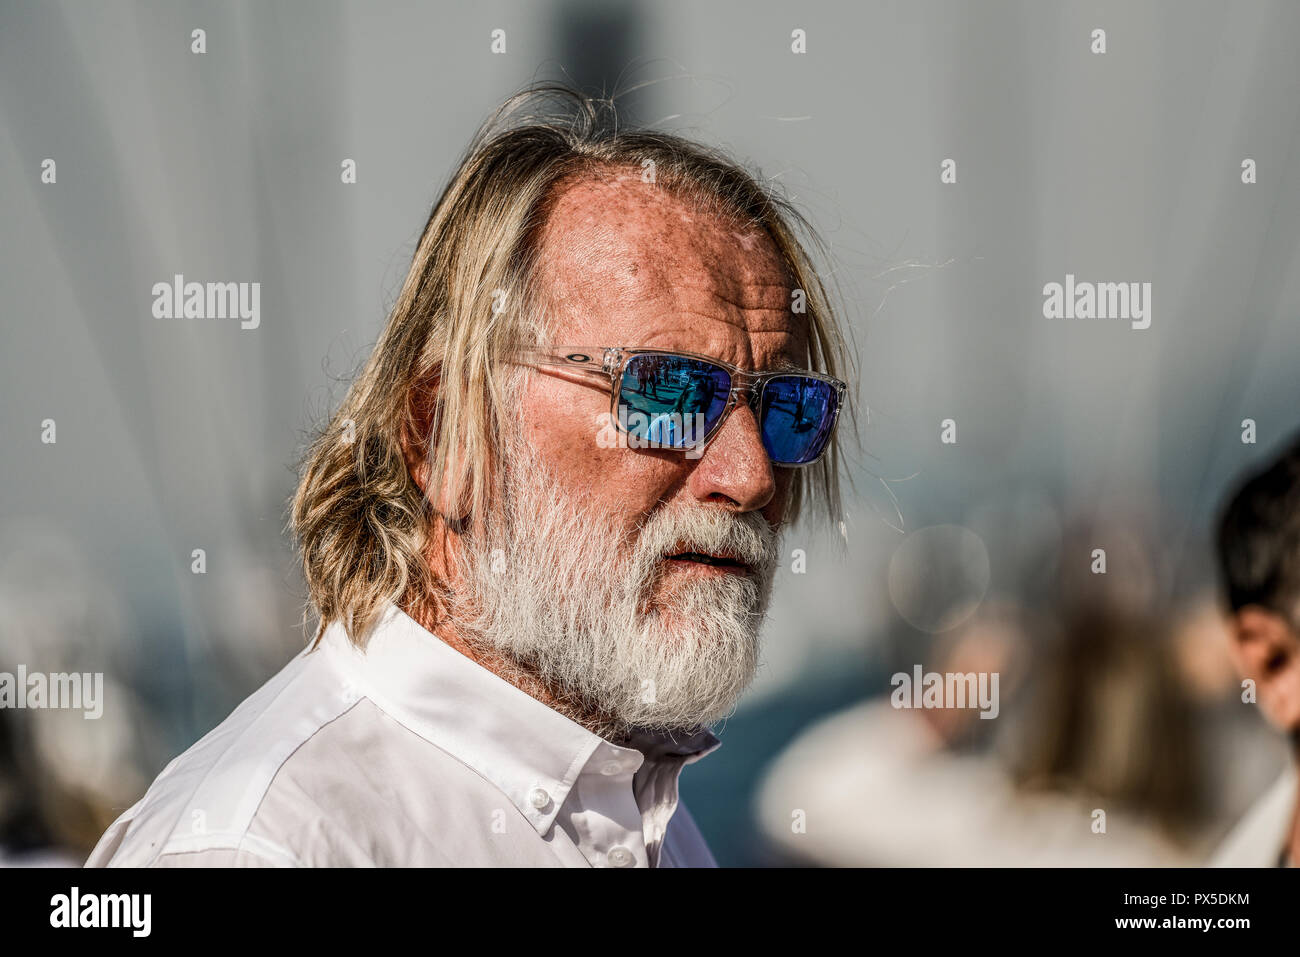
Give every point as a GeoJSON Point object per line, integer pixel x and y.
{"type": "Point", "coordinates": [735, 467]}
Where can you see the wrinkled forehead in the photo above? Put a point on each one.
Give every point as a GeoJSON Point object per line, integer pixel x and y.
{"type": "Point", "coordinates": [624, 261]}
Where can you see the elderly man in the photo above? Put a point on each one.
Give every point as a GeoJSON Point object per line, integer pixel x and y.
{"type": "Point", "coordinates": [528, 617]}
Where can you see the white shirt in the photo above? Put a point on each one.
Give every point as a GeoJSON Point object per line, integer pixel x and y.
{"type": "Point", "coordinates": [1260, 838]}
{"type": "Point", "coordinates": [409, 754]}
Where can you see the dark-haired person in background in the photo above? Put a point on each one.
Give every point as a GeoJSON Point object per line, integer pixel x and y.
{"type": "Point", "coordinates": [1259, 557]}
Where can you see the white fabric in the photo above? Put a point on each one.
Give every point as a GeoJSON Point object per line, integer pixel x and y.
{"type": "Point", "coordinates": [409, 754]}
{"type": "Point", "coordinates": [1259, 838]}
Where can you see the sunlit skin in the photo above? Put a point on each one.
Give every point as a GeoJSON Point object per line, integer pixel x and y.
{"type": "Point", "coordinates": [1266, 649]}
{"type": "Point", "coordinates": [626, 263]}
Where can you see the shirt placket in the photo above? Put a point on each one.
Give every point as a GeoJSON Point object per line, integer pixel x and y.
{"type": "Point", "coordinates": [605, 821]}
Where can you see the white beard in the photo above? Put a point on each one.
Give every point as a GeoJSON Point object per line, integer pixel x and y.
{"type": "Point", "coordinates": [554, 591]}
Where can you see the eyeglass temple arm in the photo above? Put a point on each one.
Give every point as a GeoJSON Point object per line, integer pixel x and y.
{"type": "Point", "coordinates": [592, 362]}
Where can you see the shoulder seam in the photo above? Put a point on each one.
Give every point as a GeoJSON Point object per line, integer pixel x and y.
{"type": "Point", "coordinates": [174, 841]}
{"type": "Point", "coordinates": [240, 842]}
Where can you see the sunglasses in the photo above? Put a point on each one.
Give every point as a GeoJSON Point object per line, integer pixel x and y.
{"type": "Point", "coordinates": [679, 400]}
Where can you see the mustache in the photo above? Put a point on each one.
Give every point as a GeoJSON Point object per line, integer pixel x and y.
{"type": "Point", "coordinates": [746, 537]}
{"type": "Point", "coordinates": [527, 511]}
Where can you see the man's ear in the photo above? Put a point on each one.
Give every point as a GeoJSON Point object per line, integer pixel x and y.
{"type": "Point", "coordinates": [416, 451]}
{"type": "Point", "coordinates": [1260, 639]}
{"type": "Point", "coordinates": [415, 439]}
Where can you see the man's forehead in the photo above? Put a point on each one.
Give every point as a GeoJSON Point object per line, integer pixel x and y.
{"type": "Point", "coordinates": [617, 242]}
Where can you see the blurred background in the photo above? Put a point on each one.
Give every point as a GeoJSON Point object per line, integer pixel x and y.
{"type": "Point", "coordinates": [974, 555]}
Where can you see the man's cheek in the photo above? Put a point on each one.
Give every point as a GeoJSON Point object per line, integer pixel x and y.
{"type": "Point", "coordinates": [777, 509]}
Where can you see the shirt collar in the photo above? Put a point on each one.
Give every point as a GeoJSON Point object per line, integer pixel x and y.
{"type": "Point", "coordinates": [530, 751]}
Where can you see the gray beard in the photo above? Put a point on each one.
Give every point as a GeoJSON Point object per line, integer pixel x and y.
{"type": "Point", "coordinates": [566, 602]}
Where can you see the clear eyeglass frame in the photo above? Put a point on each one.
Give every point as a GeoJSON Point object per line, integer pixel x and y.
{"type": "Point", "coordinates": [604, 365]}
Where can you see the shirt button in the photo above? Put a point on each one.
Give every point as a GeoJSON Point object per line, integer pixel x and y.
{"type": "Point", "coordinates": [610, 768]}
{"type": "Point", "coordinates": [620, 856]}
{"type": "Point", "coordinates": [538, 798]}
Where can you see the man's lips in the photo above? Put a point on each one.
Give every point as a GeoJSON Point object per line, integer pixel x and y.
{"type": "Point", "coordinates": [720, 561]}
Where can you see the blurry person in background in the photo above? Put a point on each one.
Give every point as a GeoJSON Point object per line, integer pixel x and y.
{"type": "Point", "coordinates": [1112, 723]}
{"type": "Point", "coordinates": [26, 835]}
{"type": "Point", "coordinates": [42, 819]}
{"type": "Point", "coordinates": [66, 769]}
{"type": "Point", "coordinates": [1259, 559]}
{"type": "Point", "coordinates": [1090, 759]}
{"type": "Point", "coordinates": [526, 625]}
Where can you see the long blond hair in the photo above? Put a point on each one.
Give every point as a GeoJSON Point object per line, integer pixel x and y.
{"type": "Point", "coordinates": [435, 375]}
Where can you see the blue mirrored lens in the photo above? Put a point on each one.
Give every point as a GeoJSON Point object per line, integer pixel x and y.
{"type": "Point", "coordinates": [671, 401]}
{"type": "Point", "coordinates": [798, 414]}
